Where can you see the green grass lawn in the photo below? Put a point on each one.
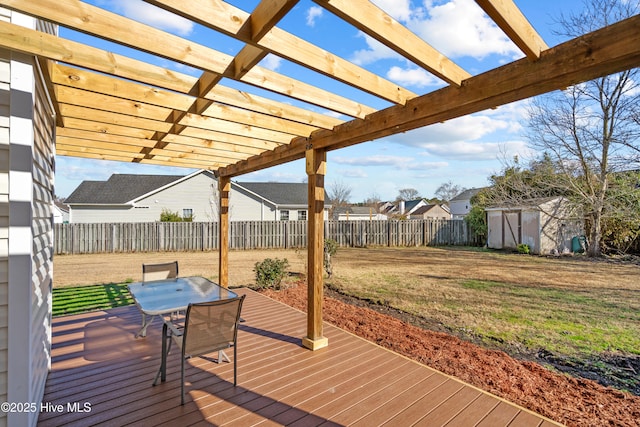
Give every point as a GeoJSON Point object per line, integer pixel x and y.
{"type": "Point", "coordinates": [573, 307]}
{"type": "Point", "coordinates": [74, 300]}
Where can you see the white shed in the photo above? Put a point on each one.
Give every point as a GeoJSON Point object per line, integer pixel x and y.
{"type": "Point", "coordinates": [545, 225]}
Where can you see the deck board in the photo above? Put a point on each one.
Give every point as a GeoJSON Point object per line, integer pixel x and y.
{"type": "Point", "coordinates": [96, 359]}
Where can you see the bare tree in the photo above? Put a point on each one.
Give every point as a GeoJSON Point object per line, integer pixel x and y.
{"type": "Point", "coordinates": [408, 194]}
{"type": "Point", "coordinates": [373, 200]}
{"type": "Point", "coordinates": [448, 191]}
{"type": "Point", "coordinates": [591, 130]}
{"type": "Point", "coordinates": [338, 194]}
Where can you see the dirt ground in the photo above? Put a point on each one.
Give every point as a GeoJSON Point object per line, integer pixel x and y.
{"type": "Point", "coordinates": [77, 270]}
{"type": "Point", "coordinates": [571, 401]}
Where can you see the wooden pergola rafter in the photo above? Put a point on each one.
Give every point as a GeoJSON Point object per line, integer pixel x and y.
{"type": "Point", "coordinates": [114, 107]}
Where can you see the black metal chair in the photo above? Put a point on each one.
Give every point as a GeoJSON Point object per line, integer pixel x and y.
{"type": "Point", "coordinates": [208, 327]}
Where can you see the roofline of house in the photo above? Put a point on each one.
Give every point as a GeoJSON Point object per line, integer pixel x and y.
{"type": "Point", "coordinates": [255, 194]}
{"type": "Point", "coordinates": [177, 181]}
{"type": "Point", "coordinates": [101, 205]}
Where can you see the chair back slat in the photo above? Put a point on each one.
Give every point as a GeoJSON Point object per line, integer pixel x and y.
{"type": "Point", "coordinates": [211, 326]}
{"type": "Point", "coordinates": [165, 270]}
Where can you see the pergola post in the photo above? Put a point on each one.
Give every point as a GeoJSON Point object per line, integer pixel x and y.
{"type": "Point", "coordinates": [316, 169]}
{"type": "Point", "coordinates": [224, 187]}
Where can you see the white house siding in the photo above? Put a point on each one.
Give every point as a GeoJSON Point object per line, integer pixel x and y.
{"type": "Point", "coordinates": [246, 207]}
{"type": "Point", "coordinates": [26, 230]}
{"type": "Point", "coordinates": [198, 193]}
{"type": "Point", "coordinates": [5, 57]}
{"type": "Point", "coordinates": [42, 229]}
{"type": "Point", "coordinates": [459, 208]}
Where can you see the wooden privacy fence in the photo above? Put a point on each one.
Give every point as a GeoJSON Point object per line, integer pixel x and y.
{"type": "Point", "coordinates": [203, 236]}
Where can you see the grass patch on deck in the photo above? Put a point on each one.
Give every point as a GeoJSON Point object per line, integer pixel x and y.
{"type": "Point", "coordinates": [72, 300]}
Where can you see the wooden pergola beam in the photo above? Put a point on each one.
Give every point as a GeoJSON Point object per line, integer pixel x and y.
{"type": "Point", "coordinates": [266, 15]}
{"type": "Point", "coordinates": [376, 23]}
{"type": "Point", "coordinates": [283, 44]}
{"type": "Point", "coordinates": [608, 50]}
{"type": "Point", "coordinates": [21, 39]}
{"type": "Point", "coordinates": [515, 25]}
{"type": "Point", "coordinates": [221, 153]}
{"type": "Point", "coordinates": [316, 171]}
{"type": "Point", "coordinates": [224, 188]}
{"type": "Point", "coordinates": [98, 22]}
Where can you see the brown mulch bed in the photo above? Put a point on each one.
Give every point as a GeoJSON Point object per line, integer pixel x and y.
{"type": "Point", "coordinates": [571, 401]}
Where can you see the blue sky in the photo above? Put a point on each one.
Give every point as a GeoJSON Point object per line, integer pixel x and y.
{"type": "Point", "coordinates": [464, 151]}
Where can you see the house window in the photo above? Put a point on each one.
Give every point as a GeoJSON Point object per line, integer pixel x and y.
{"type": "Point", "coordinates": [284, 215]}
{"type": "Point", "coordinates": [302, 215]}
{"type": "Point", "coordinates": [187, 213]}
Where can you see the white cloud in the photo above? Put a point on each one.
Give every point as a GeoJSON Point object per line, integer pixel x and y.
{"type": "Point", "coordinates": [632, 88]}
{"type": "Point", "coordinates": [353, 173]}
{"type": "Point", "coordinates": [464, 150]}
{"type": "Point", "coordinates": [313, 13]}
{"type": "Point", "coordinates": [399, 9]}
{"type": "Point", "coordinates": [375, 51]}
{"type": "Point", "coordinates": [467, 128]}
{"type": "Point", "coordinates": [460, 28]}
{"type": "Point", "coordinates": [491, 135]}
{"type": "Point", "coordinates": [271, 62]}
{"type": "Point", "coordinates": [375, 160]}
{"type": "Point", "coordinates": [417, 77]}
{"type": "Point", "coordinates": [456, 28]}
{"type": "Point", "coordinates": [399, 162]}
{"type": "Point", "coordinates": [154, 16]}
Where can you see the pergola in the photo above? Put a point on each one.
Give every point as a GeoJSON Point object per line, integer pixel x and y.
{"type": "Point", "coordinates": [118, 108]}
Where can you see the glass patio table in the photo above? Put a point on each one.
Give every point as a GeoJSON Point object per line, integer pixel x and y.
{"type": "Point", "coordinates": [162, 297]}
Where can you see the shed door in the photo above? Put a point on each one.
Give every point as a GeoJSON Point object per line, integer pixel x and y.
{"type": "Point", "coordinates": [511, 229]}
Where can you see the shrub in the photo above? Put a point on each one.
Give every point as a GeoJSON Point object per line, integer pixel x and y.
{"type": "Point", "coordinates": [330, 249]}
{"type": "Point", "coordinates": [167, 216]}
{"type": "Point", "coordinates": [270, 272]}
{"type": "Point", "coordinates": [523, 248]}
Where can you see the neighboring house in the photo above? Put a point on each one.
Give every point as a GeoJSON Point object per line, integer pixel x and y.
{"type": "Point", "coordinates": [431, 212]}
{"type": "Point", "coordinates": [269, 201]}
{"type": "Point", "coordinates": [358, 213]}
{"type": "Point", "coordinates": [401, 209]}
{"type": "Point", "coordinates": [406, 208]}
{"type": "Point", "coordinates": [60, 212]}
{"type": "Point", "coordinates": [142, 198]}
{"type": "Point", "coordinates": [461, 204]}
{"type": "Point", "coordinates": [545, 225]}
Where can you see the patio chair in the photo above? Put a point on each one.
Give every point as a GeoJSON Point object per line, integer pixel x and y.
{"type": "Point", "coordinates": [165, 270]}
{"type": "Point", "coordinates": [160, 271]}
{"type": "Point", "coordinates": [208, 327]}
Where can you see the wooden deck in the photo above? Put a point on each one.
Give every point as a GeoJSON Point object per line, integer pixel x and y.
{"type": "Point", "coordinates": [99, 367]}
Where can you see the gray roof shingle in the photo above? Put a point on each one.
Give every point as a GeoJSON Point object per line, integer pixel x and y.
{"type": "Point", "coordinates": [467, 194]}
{"type": "Point", "coordinates": [280, 193]}
{"type": "Point", "coordinates": [118, 189]}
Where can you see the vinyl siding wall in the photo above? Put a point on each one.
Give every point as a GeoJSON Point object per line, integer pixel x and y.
{"type": "Point", "coordinates": [198, 193]}
{"type": "Point", "coordinates": [245, 206]}
{"type": "Point", "coordinates": [5, 68]}
{"type": "Point", "coordinates": [26, 229]}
